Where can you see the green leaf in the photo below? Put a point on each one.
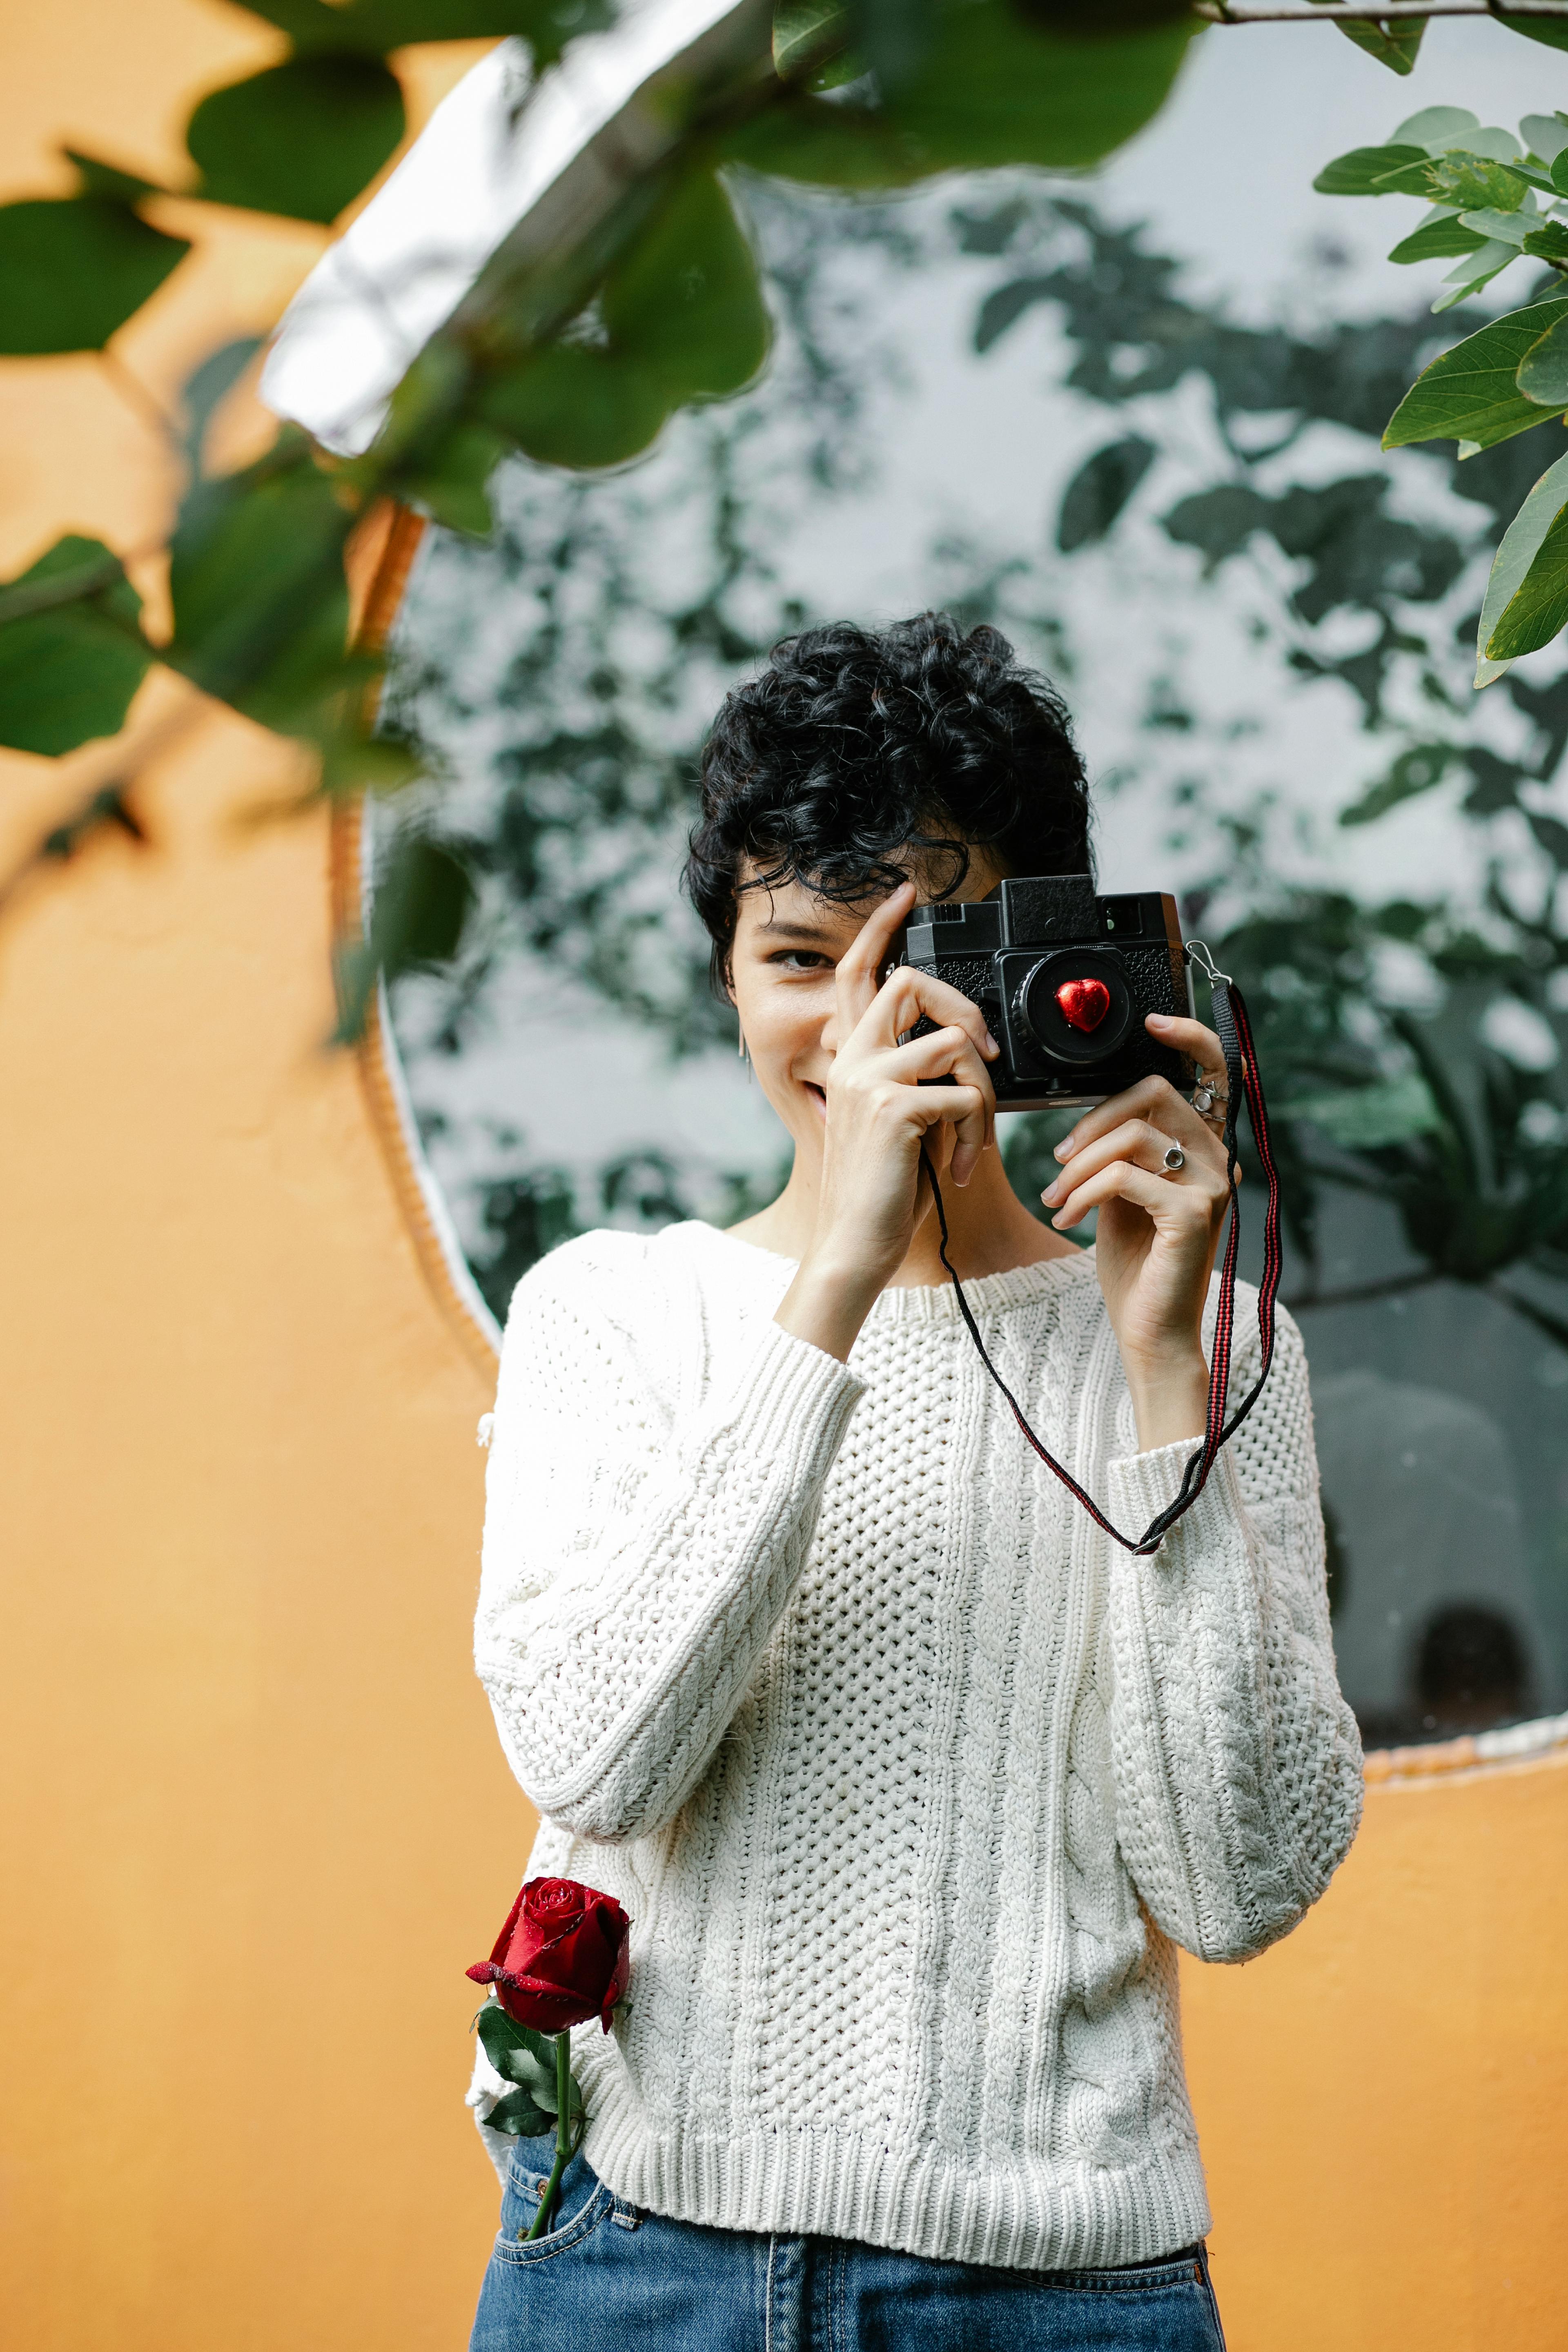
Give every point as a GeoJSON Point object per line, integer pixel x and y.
{"type": "Point", "coordinates": [72, 649]}
{"type": "Point", "coordinates": [1395, 44]}
{"type": "Point", "coordinates": [1416, 769]}
{"type": "Point", "coordinates": [992, 89]}
{"type": "Point", "coordinates": [1549, 242]}
{"type": "Point", "coordinates": [1376, 171]}
{"type": "Point", "coordinates": [1522, 543]}
{"type": "Point", "coordinates": [685, 301]}
{"type": "Point", "coordinates": [1538, 608]}
{"type": "Point", "coordinates": [260, 600]}
{"type": "Point", "coordinates": [506, 2043]}
{"type": "Point", "coordinates": [1470, 392]}
{"type": "Point", "coordinates": [806, 33]}
{"type": "Point", "coordinates": [516, 2114]}
{"type": "Point", "coordinates": [301, 139]}
{"type": "Point", "coordinates": [208, 385]}
{"type": "Point", "coordinates": [1497, 145]}
{"type": "Point", "coordinates": [421, 905]}
{"type": "Point", "coordinates": [107, 180]}
{"type": "Point", "coordinates": [1545, 135]}
{"type": "Point", "coordinates": [1483, 265]}
{"type": "Point", "coordinates": [682, 319]}
{"type": "Point", "coordinates": [1434, 127]}
{"type": "Point", "coordinates": [1543, 371]}
{"type": "Point", "coordinates": [1366, 1117]}
{"type": "Point", "coordinates": [451, 478]}
{"type": "Point", "coordinates": [74, 269]}
{"type": "Point", "coordinates": [1489, 261]}
{"type": "Point", "coordinates": [1506, 228]}
{"type": "Point", "coordinates": [1099, 489]}
{"type": "Point", "coordinates": [572, 406]}
{"type": "Point", "coordinates": [1473, 183]}
{"type": "Point", "coordinates": [1437, 240]}
{"type": "Point", "coordinates": [1552, 30]}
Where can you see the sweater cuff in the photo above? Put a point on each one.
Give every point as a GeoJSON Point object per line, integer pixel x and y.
{"type": "Point", "coordinates": [1144, 1484]}
{"type": "Point", "coordinates": [799, 1391]}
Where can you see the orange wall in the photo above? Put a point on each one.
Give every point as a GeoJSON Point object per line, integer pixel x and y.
{"type": "Point", "coordinates": [254, 1820]}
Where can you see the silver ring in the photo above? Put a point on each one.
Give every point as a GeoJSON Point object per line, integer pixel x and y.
{"type": "Point", "coordinates": [1176, 1158]}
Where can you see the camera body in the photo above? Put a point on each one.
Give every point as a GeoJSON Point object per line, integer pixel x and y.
{"type": "Point", "coordinates": [1064, 979]}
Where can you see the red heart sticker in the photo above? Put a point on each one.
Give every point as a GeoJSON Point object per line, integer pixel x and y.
{"type": "Point", "coordinates": [1084, 1002]}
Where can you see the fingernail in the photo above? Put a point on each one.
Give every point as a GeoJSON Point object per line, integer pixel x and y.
{"type": "Point", "coordinates": [1058, 1218]}
{"type": "Point", "coordinates": [1066, 1147]}
{"type": "Point", "coordinates": [991, 1044]}
{"type": "Point", "coordinates": [1161, 1021]}
{"type": "Point", "coordinates": [1049, 1194]}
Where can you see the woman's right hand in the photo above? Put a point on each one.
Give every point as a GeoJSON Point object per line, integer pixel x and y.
{"type": "Point", "coordinates": [882, 1106]}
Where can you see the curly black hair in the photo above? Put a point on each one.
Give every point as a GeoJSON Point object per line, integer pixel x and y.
{"type": "Point", "coordinates": [855, 746]}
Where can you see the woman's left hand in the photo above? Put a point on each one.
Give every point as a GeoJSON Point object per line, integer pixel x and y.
{"type": "Point", "coordinates": [1158, 1233]}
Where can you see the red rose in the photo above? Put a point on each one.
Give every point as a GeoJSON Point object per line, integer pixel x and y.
{"type": "Point", "coordinates": [561, 1957]}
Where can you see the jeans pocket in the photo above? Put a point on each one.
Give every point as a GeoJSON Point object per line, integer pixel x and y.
{"type": "Point", "coordinates": [580, 2203]}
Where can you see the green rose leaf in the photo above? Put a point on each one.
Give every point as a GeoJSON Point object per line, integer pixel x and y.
{"type": "Point", "coordinates": [1099, 489]}
{"type": "Point", "coordinates": [502, 2039]}
{"type": "Point", "coordinates": [1377, 172]}
{"type": "Point", "coordinates": [1438, 240]}
{"type": "Point", "coordinates": [1470, 392]}
{"type": "Point", "coordinates": [516, 2114]}
{"type": "Point", "coordinates": [1544, 369]}
{"type": "Point", "coordinates": [302, 138]}
{"type": "Point", "coordinates": [74, 269]}
{"type": "Point", "coordinates": [72, 649]}
{"type": "Point", "coordinates": [1522, 542]}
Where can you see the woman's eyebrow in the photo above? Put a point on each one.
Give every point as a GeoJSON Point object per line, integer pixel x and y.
{"type": "Point", "coordinates": [778, 929]}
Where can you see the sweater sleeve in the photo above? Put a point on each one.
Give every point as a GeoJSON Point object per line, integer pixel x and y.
{"type": "Point", "coordinates": [1238, 1762]}
{"type": "Point", "coordinates": [645, 1527]}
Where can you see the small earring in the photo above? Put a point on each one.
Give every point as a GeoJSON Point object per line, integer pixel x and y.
{"type": "Point", "coordinates": [744, 1056]}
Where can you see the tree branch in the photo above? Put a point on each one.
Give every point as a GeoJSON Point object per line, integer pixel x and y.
{"type": "Point", "coordinates": [1372, 12]}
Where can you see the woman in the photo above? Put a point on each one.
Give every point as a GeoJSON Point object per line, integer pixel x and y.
{"type": "Point", "coordinates": [909, 1781]}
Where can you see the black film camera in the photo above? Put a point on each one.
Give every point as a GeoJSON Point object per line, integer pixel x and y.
{"type": "Point", "coordinates": [1064, 979]}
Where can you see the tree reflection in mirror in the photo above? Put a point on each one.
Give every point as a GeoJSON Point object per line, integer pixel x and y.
{"type": "Point", "coordinates": [993, 398]}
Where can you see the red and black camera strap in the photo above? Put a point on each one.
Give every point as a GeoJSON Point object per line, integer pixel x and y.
{"type": "Point", "coordinates": [1234, 1030]}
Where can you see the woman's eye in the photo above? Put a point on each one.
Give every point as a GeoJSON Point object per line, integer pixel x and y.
{"type": "Point", "coordinates": [800, 960]}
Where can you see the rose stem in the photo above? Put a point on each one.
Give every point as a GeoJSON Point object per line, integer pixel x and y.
{"type": "Point", "coordinates": [563, 2131]}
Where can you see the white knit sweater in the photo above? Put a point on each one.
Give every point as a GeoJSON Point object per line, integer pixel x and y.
{"type": "Point", "coordinates": [908, 1780]}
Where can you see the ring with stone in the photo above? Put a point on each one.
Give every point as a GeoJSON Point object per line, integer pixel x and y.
{"type": "Point", "coordinates": [1208, 1097]}
{"type": "Point", "coordinates": [1176, 1158]}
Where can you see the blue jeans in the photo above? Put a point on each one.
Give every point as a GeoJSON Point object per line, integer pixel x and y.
{"type": "Point", "coordinates": [608, 2278]}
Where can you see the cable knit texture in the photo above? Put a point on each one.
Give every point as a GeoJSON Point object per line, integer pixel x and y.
{"type": "Point", "coordinates": [909, 1778]}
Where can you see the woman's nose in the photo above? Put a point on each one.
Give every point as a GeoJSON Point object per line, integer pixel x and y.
{"type": "Point", "coordinates": [830, 1034]}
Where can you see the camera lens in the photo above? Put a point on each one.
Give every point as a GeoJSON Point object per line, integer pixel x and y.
{"type": "Point", "coordinates": [1076, 1005]}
